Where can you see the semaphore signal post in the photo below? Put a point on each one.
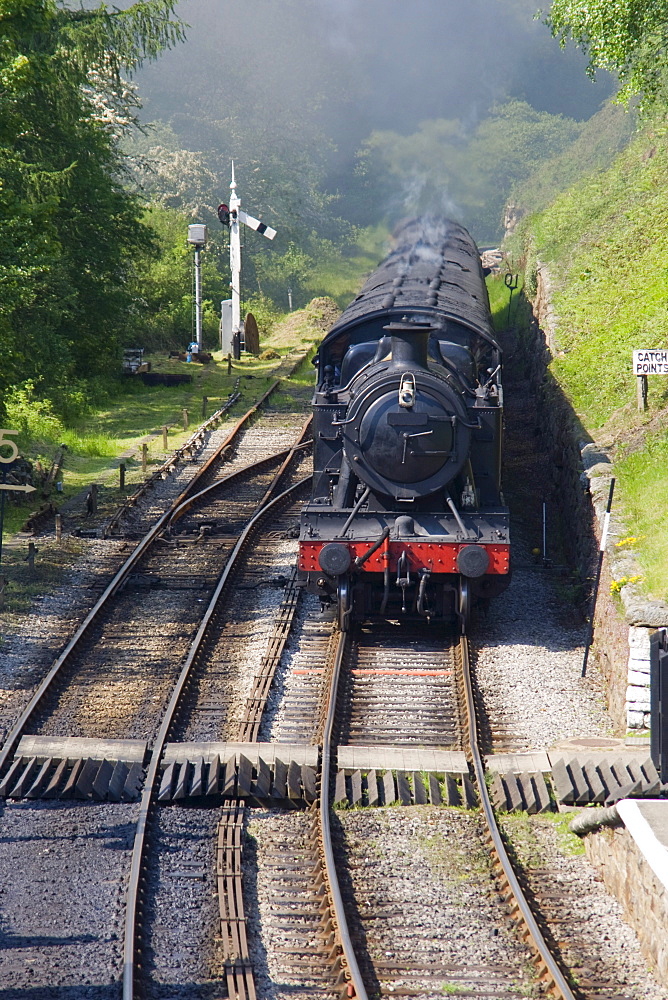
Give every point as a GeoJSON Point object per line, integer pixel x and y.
{"type": "Point", "coordinates": [231, 215]}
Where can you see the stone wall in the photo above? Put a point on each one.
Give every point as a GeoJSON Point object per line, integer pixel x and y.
{"type": "Point", "coordinates": [642, 896]}
{"type": "Point", "coordinates": [582, 474]}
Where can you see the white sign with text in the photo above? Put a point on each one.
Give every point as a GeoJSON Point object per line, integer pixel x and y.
{"type": "Point", "coordinates": [654, 362]}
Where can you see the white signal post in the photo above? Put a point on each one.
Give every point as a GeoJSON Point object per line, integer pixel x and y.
{"type": "Point", "coordinates": [235, 255]}
{"type": "Point", "coordinates": [237, 217]}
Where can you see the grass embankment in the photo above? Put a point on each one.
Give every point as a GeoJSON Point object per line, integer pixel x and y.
{"type": "Point", "coordinates": [605, 243]}
{"type": "Point", "coordinates": [340, 277]}
{"type": "Point", "coordinates": [109, 434]}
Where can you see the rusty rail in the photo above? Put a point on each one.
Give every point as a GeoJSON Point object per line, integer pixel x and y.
{"type": "Point", "coordinates": [134, 887]}
{"type": "Point", "coordinates": [220, 454]}
{"type": "Point", "coordinates": [549, 972]}
{"type": "Point", "coordinates": [117, 582]}
{"type": "Point", "coordinates": [351, 982]}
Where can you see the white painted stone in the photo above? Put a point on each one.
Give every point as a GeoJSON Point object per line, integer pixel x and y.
{"type": "Point", "coordinates": [635, 720]}
{"type": "Point", "coordinates": [638, 678]}
{"type": "Point", "coordinates": [642, 660]}
{"type": "Point", "coordinates": [639, 637]}
{"type": "Point", "coordinates": [638, 696]}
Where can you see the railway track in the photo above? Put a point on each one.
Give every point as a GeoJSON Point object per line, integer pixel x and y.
{"type": "Point", "coordinates": [387, 950]}
{"type": "Point", "coordinates": [38, 773]}
{"type": "Point", "coordinates": [389, 689]}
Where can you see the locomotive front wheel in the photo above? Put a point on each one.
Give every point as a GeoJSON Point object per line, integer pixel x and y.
{"type": "Point", "coordinates": [464, 611]}
{"type": "Point", "coordinates": [344, 602]}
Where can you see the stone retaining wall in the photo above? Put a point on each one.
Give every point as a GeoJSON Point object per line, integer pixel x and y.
{"type": "Point", "coordinates": [643, 898]}
{"type": "Point", "coordinates": [582, 473]}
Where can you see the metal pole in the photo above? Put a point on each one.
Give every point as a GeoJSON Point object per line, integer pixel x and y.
{"type": "Point", "coordinates": [235, 255]}
{"type": "Point", "coordinates": [2, 510]}
{"type": "Point", "coordinates": [544, 532]}
{"type": "Point", "coordinates": [642, 389]}
{"type": "Point", "coordinates": [198, 296]}
{"type": "Point", "coordinates": [601, 552]}
{"type": "Point", "coordinates": [659, 702]}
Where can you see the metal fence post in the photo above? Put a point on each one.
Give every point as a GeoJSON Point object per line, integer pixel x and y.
{"type": "Point", "coordinates": [658, 646]}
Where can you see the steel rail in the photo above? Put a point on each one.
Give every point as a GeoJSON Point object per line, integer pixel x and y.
{"type": "Point", "coordinates": [341, 922]}
{"type": "Point", "coordinates": [169, 464]}
{"type": "Point", "coordinates": [286, 454]}
{"type": "Point", "coordinates": [134, 887]}
{"type": "Point", "coordinates": [119, 579]}
{"type": "Point", "coordinates": [548, 969]}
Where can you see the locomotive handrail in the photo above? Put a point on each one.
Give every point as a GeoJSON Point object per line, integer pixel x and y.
{"type": "Point", "coordinates": [360, 560]}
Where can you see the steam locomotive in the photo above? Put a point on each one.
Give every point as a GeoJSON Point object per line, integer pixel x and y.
{"type": "Point", "coordinates": [406, 517]}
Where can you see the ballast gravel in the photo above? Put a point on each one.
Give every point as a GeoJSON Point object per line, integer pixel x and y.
{"type": "Point", "coordinates": [528, 663]}
{"type": "Point", "coordinates": [596, 943]}
{"type": "Point", "coordinates": [427, 907]}
{"type": "Point", "coordinates": [183, 959]}
{"type": "Point", "coordinates": [63, 873]}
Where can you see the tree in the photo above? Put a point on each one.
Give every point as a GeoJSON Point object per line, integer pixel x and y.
{"type": "Point", "coordinates": [628, 37]}
{"type": "Point", "coordinates": [69, 231]}
{"type": "Point", "coordinates": [445, 169]}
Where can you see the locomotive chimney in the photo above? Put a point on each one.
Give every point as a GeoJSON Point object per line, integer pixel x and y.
{"type": "Point", "coordinates": [409, 343]}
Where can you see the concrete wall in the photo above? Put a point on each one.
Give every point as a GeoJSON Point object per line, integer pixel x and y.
{"type": "Point", "coordinates": [642, 896]}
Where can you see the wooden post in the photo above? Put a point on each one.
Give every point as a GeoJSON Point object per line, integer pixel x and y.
{"type": "Point", "coordinates": [121, 473]}
{"type": "Point", "coordinates": [642, 388]}
{"type": "Point", "coordinates": [205, 400]}
{"type": "Point", "coordinates": [229, 364]}
{"type": "Point", "coordinates": [144, 458]}
{"type": "Point", "coordinates": [185, 419]}
{"type": "Point", "coordinates": [59, 527]}
{"type": "Point", "coordinates": [164, 437]}
{"type": "Point", "coordinates": [93, 498]}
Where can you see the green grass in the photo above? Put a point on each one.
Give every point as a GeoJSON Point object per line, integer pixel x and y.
{"type": "Point", "coordinates": [97, 441]}
{"type": "Point", "coordinates": [643, 486]}
{"type": "Point", "coordinates": [341, 277]}
{"type": "Point", "coordinates": [499, 300]}
{"type": "Point", "coordinates": [605, 243]}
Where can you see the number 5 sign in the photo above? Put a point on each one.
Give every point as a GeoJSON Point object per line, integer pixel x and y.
{"type": "Point", "coordinates": [5, 443]}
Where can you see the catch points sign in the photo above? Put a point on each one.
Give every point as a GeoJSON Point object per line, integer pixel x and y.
{"type": "Point", "coordinates": [654, 362]}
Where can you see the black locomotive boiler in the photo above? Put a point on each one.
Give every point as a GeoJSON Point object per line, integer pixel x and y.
{"type": "Point", "coordinates": [406, 517]}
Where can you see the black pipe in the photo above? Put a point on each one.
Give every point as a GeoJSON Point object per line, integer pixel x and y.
{"type": "Point", "coordinates": [410, 344]}
{"type": "Point", "coordinates": [374, 548]}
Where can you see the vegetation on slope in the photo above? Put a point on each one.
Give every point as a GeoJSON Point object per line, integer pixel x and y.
{"type": "Point", "coordinates": [605, 244]}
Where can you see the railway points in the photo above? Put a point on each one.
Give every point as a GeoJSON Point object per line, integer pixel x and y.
{"type": "Point", "coordinates": [245, 876]}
